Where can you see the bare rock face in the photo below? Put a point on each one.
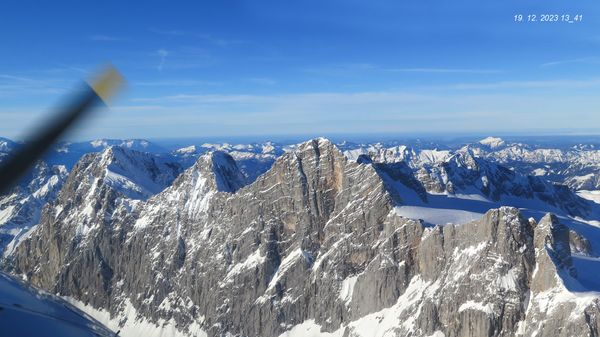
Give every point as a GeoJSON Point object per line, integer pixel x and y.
{"type": "Point", "coordinates": [579, 244]}
{"type": "Point", "coordinates": [312, 243]}
{"type": "Point", "coordinates": [462, 280]}
{"type": "Point", "coordinates": [79, 229]}
{"type": "Point", "coordinates": [555, 308]}
{"type": "Point", "coordinates": [554, 253]}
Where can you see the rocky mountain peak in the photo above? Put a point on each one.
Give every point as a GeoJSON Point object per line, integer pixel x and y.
{"type": "Point", "coordinates": [227, 175]}
{"type": "Point", "coordinates": [466, 158]}
{"type": "Point", "coordinates": [141, 145]}
{"type": "Point", "coordinates": [220, 171]}
{"type": "Point", "coordinates": [319, 148]}
{"type": "Point", "coordinates": [316, 167]}
{"type": "Point", "coordinates": [137, 175]}
{"type": "Point", "coordinates": [7, 145]}
{"type": "Point", "coordinates": [317, 143]}
{"type": "Point", "coordinates": [192, 191]}
{"type": "Point", "coordinates": [214, 171]}
{"type": "Point", "coordinates": [553, 253]}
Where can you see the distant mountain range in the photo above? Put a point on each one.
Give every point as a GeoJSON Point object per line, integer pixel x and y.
{"type": "Point", "coordinates": [489, 238]}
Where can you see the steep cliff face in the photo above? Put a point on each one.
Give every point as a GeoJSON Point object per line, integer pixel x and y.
{"type": "Point", "coordinates": [499, 276]}
{"type": "Point", "coordinates": [314, 245]}
{"type": "Point", "coordinates": [79, 229]}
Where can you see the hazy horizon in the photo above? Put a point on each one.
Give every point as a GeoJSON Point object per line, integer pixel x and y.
{"type": "Point", "coordinates": [399, 138]}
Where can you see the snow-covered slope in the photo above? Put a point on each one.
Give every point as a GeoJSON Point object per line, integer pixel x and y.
{"type": "Point", "coordinates": [577, 167]}
{"type": "Point", "coordinates": [137, 175]}
{"type": "Point", "coordinates": [21, 207]}
{"type": "Point", "coordinates": [67, 153]}
{"type": "Point", "coordinates": [27, 311]}
{"type": "Point", "coordinates": [463, 181]}
{"type": "Point", "coordinates": [7, 145]}
{"type": "Point", "coordinates": [590, 195]}
{"type": "Point", "coordinates": [98, 145]}
{"type": "Point", "coordinates": [412, 157]}
{"type": "Point", "coordinates": [492, 142]}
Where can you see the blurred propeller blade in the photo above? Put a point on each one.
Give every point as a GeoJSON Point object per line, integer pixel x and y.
{"type": "Point", "coordinates": [98, 91]}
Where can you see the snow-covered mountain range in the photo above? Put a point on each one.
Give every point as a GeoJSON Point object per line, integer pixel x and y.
{"type": "Point", "coordinates": [489, 238]}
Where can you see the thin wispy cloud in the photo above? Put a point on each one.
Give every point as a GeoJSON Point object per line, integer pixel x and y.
{"type": "Point", "coordinates": [16, 85]}
{"type": "Point", "coordinates": [443, 70]}
{"type": "Point", "coordinates": [162, 53]}
{"type": "Point", "coordinates": [355, 68]}
{"type": "Point", "coordinates": [16, 78]}
{"type": "Point", "coordinates": [342, 69]}
{"type": "Point", "coordinates": [175, 83]}
{"type": "Point", "coordinates": [180, 58]}
{"type": "Point", "coordinates": [105, 38]}
{"type": "Point", "coordinates": [571, 61]}
{"type": "Point", "coordinates": [415, 94]}
{"type": "Point", "coordinates": [262, 80]}
{"type": "Point", "coordinates": [359, 111]}
{"type": "Point", "coordinates": [216, 40]}
{"type": "Point", "coordinates": [67, 70]}
{"type": "Point", "coordinates": [172, 32]}
{"type": "Point", "coordinates": [222, 42]}
{"type": "Point", "coordinates": [548, 84]}
{"type": "Point", "coordinates": [205, 99]}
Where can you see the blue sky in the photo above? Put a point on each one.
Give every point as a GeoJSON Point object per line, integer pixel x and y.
{"type": "Point", "coordinates": [236, 68]}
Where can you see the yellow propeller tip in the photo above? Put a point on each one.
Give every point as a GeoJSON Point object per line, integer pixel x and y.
{"type": "Point", "coordinates": [107, 83]}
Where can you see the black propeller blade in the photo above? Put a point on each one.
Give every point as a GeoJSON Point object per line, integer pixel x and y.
{"type": "Point", "coordinates": [95, 93]}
